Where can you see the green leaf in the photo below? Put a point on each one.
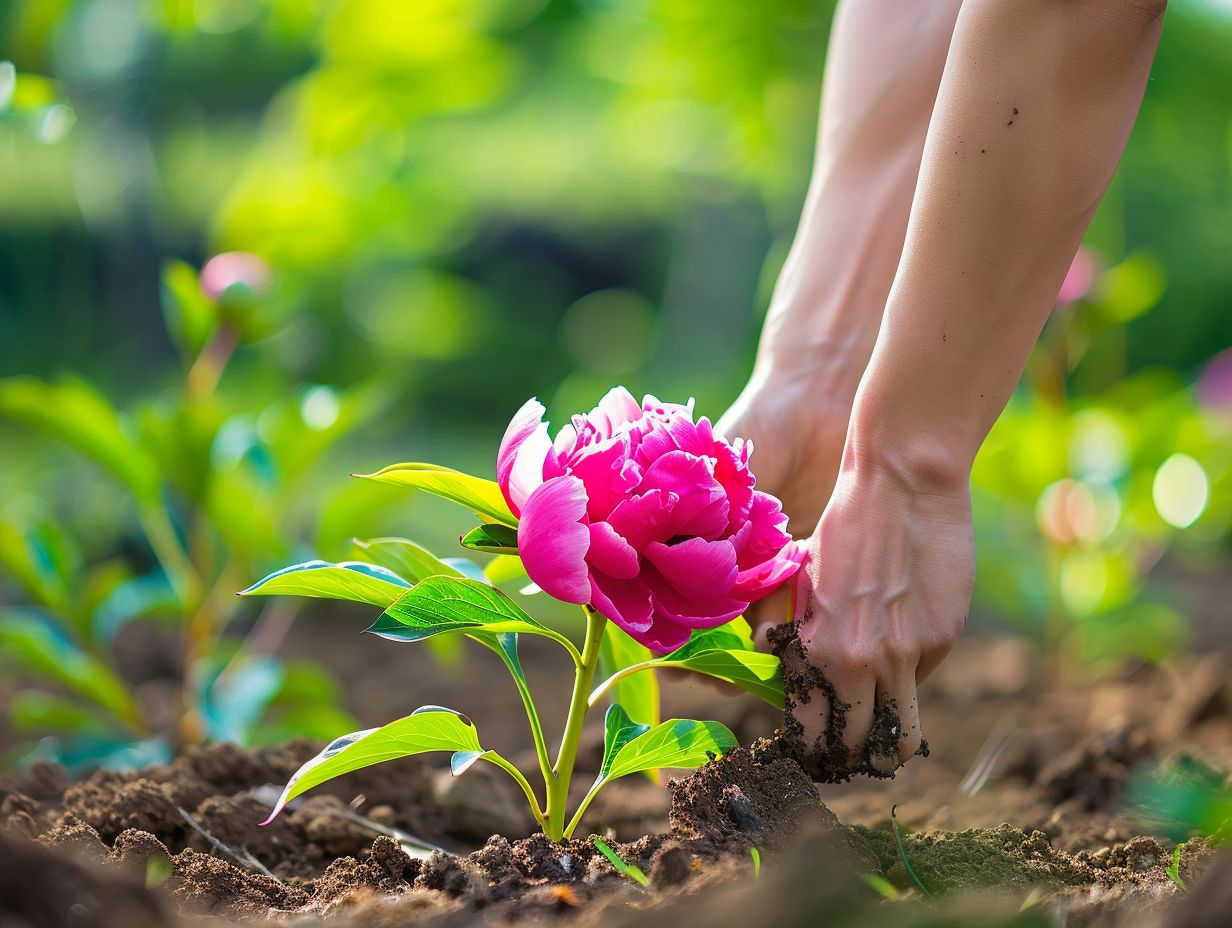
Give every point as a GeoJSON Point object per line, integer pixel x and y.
{"type": "Point", "coordinates": [350, 580]}
{"type": "Point", "coordinates": [444, 605]}
{"type": "Point", "coordinates": [429, 728]}
{"type": "Point", "coordinates": [43, 559]}
{"type": "Point", "coordinates": [47, 652]}
{"type": "Point", "coordinates": [34, 710]}
{"type": "Point", "coordinates": [630, 747]}
{"type": "Point", "coordinates": [726, 655]}
{"type": "Point", "coordinates": [505, 568]}
{"type": "Point", "coordinates": [618, 730]}
{"type": "Point", "coordinates": [637, 693]}
{"type": "Point", "coordinates": [625, 868]}
{"type": "Point", "coordinates": [483, 497]}
{"type": "Point", "coordinates": [405, 558]}
{"type": "Point", "coordinates": [190, 316]}
{"type": "Point", "coordinates": [233, 697]}
{"type": "Point", "coordinates": [131, 599]}
{"type": "Point", "coordinates": [492, 538]}
{"type": "Point", "coordinates": [73, 412]}
{"type": "Point", "coordinates": [684, 743]}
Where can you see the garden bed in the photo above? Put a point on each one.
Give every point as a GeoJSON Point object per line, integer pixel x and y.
{"type": "Point", "coordinates": [1057, 758]}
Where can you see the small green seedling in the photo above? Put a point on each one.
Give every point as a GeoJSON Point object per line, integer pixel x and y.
{"type": "Point", "coordinates": [629, 870]}
{"type": "Point", "coordinates": [1174, 870]}
{"type": "Point", "coordinates": [880, 885]}
{"type": "Point", "coordinates": [756, 855]}
{"type": "Point", "coordinates": [902, 853]}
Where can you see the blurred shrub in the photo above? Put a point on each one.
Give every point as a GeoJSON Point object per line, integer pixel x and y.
{"type": "Point", "coordinates": [217, 487]}
{"type": "Point", "coordinates": [1079, 496]}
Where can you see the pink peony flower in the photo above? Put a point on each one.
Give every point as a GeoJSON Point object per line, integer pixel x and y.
{"type": "Point", "coordinates": [234, 268]}
{"type": "Point", "coordinates": [644, 514]}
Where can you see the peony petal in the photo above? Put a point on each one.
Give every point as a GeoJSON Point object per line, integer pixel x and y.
{"type": "Point", "coordinates": [617, 408]}
{"type": "Point", "coordinates": [733, 475]}
{"type": "Point", "coordinates": [625, 602]}
{"type": "Point", "coordinates": [701, 498]}
{"type": "Point", "coordinates": [610, 553]}
{"type": "Point", "coordinates": [764, 578]}
{"type": "Point", "coordinates": [553, 539]}
{"type": "Point", "coordinates": [696, 568]}
{"type": "Point", "coordinates": [764, 534]}
{"type": "Point", "coordinates": [707, 612]}
{"type": "Point", "coordinates": [664, 635]}
{"type": "Point", "coordinates": [518, 475]}
{"type": "Point", "coordinates": [605, 471]}
{"type": "Point", "coordinates": [645, 518]}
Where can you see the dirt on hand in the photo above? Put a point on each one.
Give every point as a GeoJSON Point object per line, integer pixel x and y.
{"type": "Point", "coordinates": [826, 758]}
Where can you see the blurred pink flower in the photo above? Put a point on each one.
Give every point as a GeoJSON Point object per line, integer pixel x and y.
{"type": "Point", "coordinates": [644, 514]}
{"type": "Point", "coordinates": [231, 268]}
{"type": "Point", "coordinates": [1215, 383]}
{"type": "Point", "coordinates": [1079, 278]}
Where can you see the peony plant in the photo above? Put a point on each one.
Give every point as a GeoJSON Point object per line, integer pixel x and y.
{"type": "Point", "coordinates": [638, 514]}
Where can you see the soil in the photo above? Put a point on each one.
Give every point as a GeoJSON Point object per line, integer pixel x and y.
{"type": "Point", "coordinates": [1051, 755]}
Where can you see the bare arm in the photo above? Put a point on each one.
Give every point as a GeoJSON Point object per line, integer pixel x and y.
{"type": "Point", "coordinates": [882, 71]}
{"type": "Point", "coordinates": [1035, 106]}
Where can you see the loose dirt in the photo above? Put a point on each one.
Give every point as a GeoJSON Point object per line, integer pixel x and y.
{"type": "Point", "coordinates": [179, 843]}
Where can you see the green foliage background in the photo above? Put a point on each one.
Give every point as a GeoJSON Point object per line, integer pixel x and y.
{"type": "Point", "coordinates": [468, 202]}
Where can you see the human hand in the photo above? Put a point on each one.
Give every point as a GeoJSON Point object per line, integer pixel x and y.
{"type": "Point", "coordinates": [796, 418]}
{"type": "Point", "coordinates": [879, 604]}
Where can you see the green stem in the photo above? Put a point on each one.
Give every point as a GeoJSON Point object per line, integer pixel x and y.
{"type": "Point", "coordinates": [171, 555]}
{"type": "Point", "coordinates": [536, 729]}
{"type": "Point", "coordinates": [619, 675]}
{"type": "Point", "coordinates": [558, 783]}
{"type": "Point", "coordinates": [580, 811]}
{"type": "Point", "coordinates": [493, 758]}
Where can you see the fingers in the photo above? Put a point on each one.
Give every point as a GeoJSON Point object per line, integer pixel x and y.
{"type": "Point", "coordinates": [898, 696]}
{"type": "Point", "coordinates": [858, 693]}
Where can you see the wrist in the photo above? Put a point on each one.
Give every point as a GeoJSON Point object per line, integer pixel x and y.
{"type": "Point", "coordinates": [889, 444]}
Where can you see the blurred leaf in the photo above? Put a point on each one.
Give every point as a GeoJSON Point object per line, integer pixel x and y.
{"type": "Point", "coordinates": [43, 559]}
{"type": "Point", "coordinates": [504, 568]}
{"type": "Point", "coordinates": [233, 701]}
{"type": "Point", "coordinates": [493, 539]}
{"type": "Point", "coordinates": [300, 430]}
{"type": "Point", "coordinates": [181, 436]}
{"type": "Point", "coordinates": [190, 316]}
{"type": "Point", "coordinates": [1132, 287]}
{"type": "Point", "coordinates": [350, 580]}
{"type": "Point", "coordinates": [34, 710]}
{"type": "Point", "coordinates": [40, 648]}
{"type": "Point", "coordinates": [74, 413]}
{"type": "Point", "coordinates": [409, 560]}
{"type": "Point", "coordinates": [483, 497]}
{"type": "Point", "coordinates": [445, 605]}
{"type": "Point", "coordinates": [80, 753]}
{"type": "Point", "coordinates": [429, 728]}
{"type": "Point", "coordinates": [318, 722]}
{"type": "Point", "coordinates": [637, 694]}
{"type": "Point", "coordinates": [132, 599]}
{"type": "Point", "coordinates": [247, 514]}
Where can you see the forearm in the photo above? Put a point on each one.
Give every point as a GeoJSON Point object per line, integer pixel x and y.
{"type": "Point", "coordinates": [1035, 106]}
{"type": "Point", "coordinates": [882, 72]}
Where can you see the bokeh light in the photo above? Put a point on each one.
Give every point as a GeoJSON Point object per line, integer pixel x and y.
{"type": "Point", "coordinates": [1180, 490]}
